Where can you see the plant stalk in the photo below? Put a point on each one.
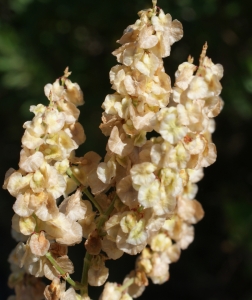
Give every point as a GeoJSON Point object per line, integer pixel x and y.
{"type": "Point", "coordinates": [64, 275]}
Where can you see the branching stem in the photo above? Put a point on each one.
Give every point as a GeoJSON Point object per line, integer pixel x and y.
{"type": "Point", "coordinates": [70, 174]}
{"type": "Point", "coordinates": [85, 191]}
{"type": "Point", "coordinates": [126, 285]}
{"type": "Point", "coordinates": [104, 217]}
{"type": "Point", "coordinates": [92, 199]}
{"type": "Point", "coordinates": [87, 259]}
{"type": "Point", "coordinates": [64, 274]}
{"type": "Point", "coordinates": [84, 278]}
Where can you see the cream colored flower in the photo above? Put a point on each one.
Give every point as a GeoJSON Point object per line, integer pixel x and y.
{"type": "Point", "coordinates": [49, 180]}
{"type": "Point", "coordinates": [54, 120]}
{"type": "Point", "coordinates": [190, 210]}
{"type": "Point", "coordinates": [63, 230]}
{"type": "Point", "coordinates": [160, 242]}
{"type": "Point", "coordinates": [109, 103]}
{"type": "Point", "coordinates": [110, 248]}
{"type": "Point", "coordinates": [169, 126]}
{"type": "Point", "coordinates": [184, 75]}
{"type": "Point", "coordinates": [160, 270]}
{"type": "Point", "coordinates": [120, 143]}
{"type": "Point", "coordinates": [73, 93]}
{"type": "Point", "coordinates": [168, 31]}
{"type": "Point", "coordinates": [142, 174]}
{"type": "Point", "coordinates": [30, 162]}
{"type": "Point", "coordinates": [127, 193]}
{"type": "Point", "coordinates": [88, 222]}
{"type": "Point", "coordinates": [73, 207]}
{"type": "Point", "coordinates": [39, 245]}
{"type": "Point", "coordinates": [26, 225]}
{"type": "Point", "coordinates": [97, 273]}
{"type": "Point", "coordinates": [70, 111]}
{"type": "Point", "coordinates": [111, 291]}
{"type": "Point", "coordinates": [149, 194]}
{"type": "Point", "coordinates": [21, 206]}
{"type": "Point", "coordinates": [106, 171]}
{"type": "Point", "coordinates": [17, 184]}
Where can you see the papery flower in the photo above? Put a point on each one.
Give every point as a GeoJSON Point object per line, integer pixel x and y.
{"type": "Point", "coordinates": [141, 196]}
{"type": "Point", "coordinates": [39, 245]}
{"type": "Point", "coordinates": [167, 123]}
{"type": "Point", "coordinates": [63, 230]}
{"type": "Point", "coordinates": [97, 273]}
{"type": "Point", "coordinates": [57, 291]}
{"type": "Point", "coordinates": [73, 207]}
{"type": "Point", "coordinates": [167, 30]}
{"type": "Point", "coordinates": [111, 292]}
{"type": "Point", "coordinates": [30, 162]}
{"type": "Point", "coordinates": [29, 288]}
{"type": "Point", "coordinates": [158, 185]}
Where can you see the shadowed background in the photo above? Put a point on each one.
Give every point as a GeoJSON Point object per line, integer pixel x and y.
{"type": "Point", "coordinates": [38, 39]}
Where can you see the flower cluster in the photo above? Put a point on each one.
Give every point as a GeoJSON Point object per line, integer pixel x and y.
{"type": "Point", "coordinates": [40, 224]}
{"type": "Point", "coordinates": [141, 197]}
{"type": "Point", "coordinates": [156, 178]}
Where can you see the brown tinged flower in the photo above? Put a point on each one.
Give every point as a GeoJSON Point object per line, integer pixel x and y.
{"type": "Point", "coordinates": [30, 288]}
{"type": "Point", "coordinates": [39, 245]}
{"type": "Point", "coordinates": [154, 179]}
{"type": "Point", "coordinates": [93, 244]}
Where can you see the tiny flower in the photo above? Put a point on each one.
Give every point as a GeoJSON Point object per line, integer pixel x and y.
{"type": "Point", "coordinates": [160, 242]}
{"type": "Point", "coordinates": [142, 174]}
{"type": "Point", "coordinates": [97, 273]}
{"type": "Point", "coordinates": [93, 243]}
{"type": "Point", "coordinates": [39, 245]}
{"type": "Point", "coordinates": [30, 162]}
{"type": "Point", "coordinates": [170, 127]}
{"type": "Point", "coordinates": [27, 225]}
{"type": "Point", "coordinates": [54, 120]}
{"type": "Point", "coordinates": [73, 93]}
{"type": "Point", "coordinates": [106, 171]}
{"type": "Point", "coordinates": [111, 292]}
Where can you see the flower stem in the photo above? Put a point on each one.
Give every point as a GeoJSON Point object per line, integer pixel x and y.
{"type": "Point", "coordinates": [70, 174]}
{"type": "Point", "coordinates": [64, 275]}
{"type": "Point", "coordinates": [92, 199]}
{"type": "Point", "coordinates": [126, 285]}
{"type": "Point", "coordinates": [103, 218]}
{"type": "Point", "coordinates": [85, 191]}
{"type": "Point", "coordinates": [111, 207]}
{"type": "Point", "coordinates": [84, 278]}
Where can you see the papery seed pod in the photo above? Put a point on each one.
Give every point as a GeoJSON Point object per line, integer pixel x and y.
{"type": "Point", "coordinates": [93, 243]}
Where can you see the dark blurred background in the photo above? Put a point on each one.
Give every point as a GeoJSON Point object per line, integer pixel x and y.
{"type": "Point", "coordinates": [39, 38]}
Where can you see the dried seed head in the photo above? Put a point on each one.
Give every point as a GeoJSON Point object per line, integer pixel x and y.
{"type": "Point", "coordinates": [93, 243]}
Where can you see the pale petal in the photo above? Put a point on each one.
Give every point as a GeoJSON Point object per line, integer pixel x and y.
{"type": "Point", "coordinates": [119, 146]}
{"type": "Point", "coordinates": [39, 245]}
{"type": "Point", "coordinates": [30, 163]}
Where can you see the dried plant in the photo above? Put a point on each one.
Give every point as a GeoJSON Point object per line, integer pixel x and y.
{"type": "Point", "coordinates": [141, 198]}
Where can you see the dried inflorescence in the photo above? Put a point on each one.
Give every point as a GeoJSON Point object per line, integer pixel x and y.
{"type": "Point", "coordinates": [141, 198]}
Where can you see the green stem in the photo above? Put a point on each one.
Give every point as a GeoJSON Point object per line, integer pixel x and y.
{"type": "Point", "coordinates": [70, 174]}
{"type": "Point", "coordinates": [92, 199]}
{"type": "Point", "coordinates": [36, 219]}
{"type": "Point", "coordinates": [85, 191]}
{"type": "Point", "coordinates": [111, 206]}
{"type": "Point", "coordinates": [126, 285]}
{"type": "Point", "coordinates": [84, 278]}
{"type": "Point", "coordinates": [87, 259]}
{"type": "Point", "coordinates": [103, 218]}
{"type": "Point", "coordinates": [65, 275]}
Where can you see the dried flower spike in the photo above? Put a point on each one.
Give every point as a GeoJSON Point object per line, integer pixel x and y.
{"type": "Point", "coordinates": [141, 198]}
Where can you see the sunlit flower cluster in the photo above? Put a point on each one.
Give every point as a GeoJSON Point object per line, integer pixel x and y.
{"type": "Point", "coordinates": [40, 224]}
{"type": "Point", "coordinates": [156, 178]}
{"type": "Point", "coordinates": [141, 197]}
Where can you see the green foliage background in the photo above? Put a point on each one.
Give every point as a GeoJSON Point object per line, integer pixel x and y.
{"type": "Point", "coordinates": [39, 38]}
